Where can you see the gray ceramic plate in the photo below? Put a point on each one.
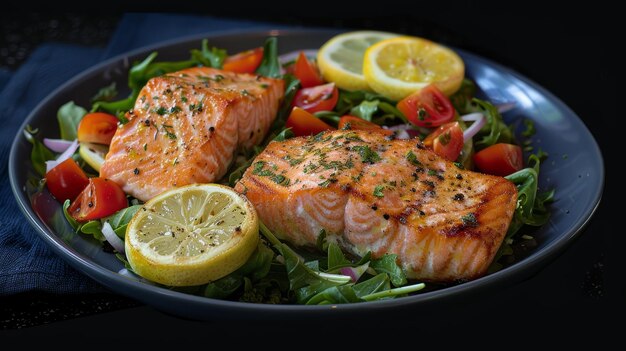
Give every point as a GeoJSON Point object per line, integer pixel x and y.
{"type": "Point", "coordinates": [575, 168]}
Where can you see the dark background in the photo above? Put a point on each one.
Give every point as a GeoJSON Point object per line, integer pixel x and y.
{"type": "Point", "coordinates": [572, 51]}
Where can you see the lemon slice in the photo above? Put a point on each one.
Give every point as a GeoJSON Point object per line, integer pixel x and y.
{"type": "Point", "coordinates": [192, 235]}
{"type": "Point", "coordinates": [93, 154]}
{"type": "Point", "coordinates": [341, 59]}
{"type": "Point", "coordinates": [398, 67]}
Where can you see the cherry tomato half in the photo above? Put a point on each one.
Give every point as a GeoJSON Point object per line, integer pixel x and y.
{"type": "Point", "coordinates": [428, 107]}
{"type": "Point", "coordinates": [357, 123]}
{"type": "Point", "coordinates": [244, 62]}
{"type": "Point", "coordinates": [446, 141]}
{"type": "Point", "coordinates": [500, 159]}
{"type": "Point", "coordinates": [101, 198]}
{"type": "Point", "coordinates": [66, 180]}
{"type": "Point", "coordinates": [307, 72]}
{"type": "Point", "coordinates": [304, 123]}
{"type": "Point", "coordinates": [97, 127]}
{"type": "Point", "coordinates": [318, 98]}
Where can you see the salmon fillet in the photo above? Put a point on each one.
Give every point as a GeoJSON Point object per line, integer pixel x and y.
{"type": "Point", "coordinates": [186, 127]}
{"type": "Point", "coordinates": [371, 193]}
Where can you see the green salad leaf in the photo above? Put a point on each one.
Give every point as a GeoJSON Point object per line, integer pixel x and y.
{"type": "Point", "coordinates": [69, 116]}
{"type": "Point", "coordinates": [270, 67]}
{"type": "Point", "coordinates": [39, 153]}
{"type": "Point", "coordinates": [495, 130]}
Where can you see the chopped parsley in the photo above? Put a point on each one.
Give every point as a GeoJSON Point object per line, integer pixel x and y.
{"type": "Point", "coordinates": [421, 114]}
{"type": "Point", "coordinates": [175, 109]}
{"type": "Point", "coordinates": [161, 111]}
{"type": "Point", "coordinates": [469, 220]}
{"type": "Point", "coordinates": [168, 132]}
{"type": "Point", "coordinates": [410, 156]}
{"type": "Point", "coordinates": [378, 191]}
{"type": "Point", "coordinates": [367, 154]}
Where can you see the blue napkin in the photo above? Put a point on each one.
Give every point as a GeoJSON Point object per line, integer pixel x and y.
{"type": "Point", "coordinates": [26, 262]}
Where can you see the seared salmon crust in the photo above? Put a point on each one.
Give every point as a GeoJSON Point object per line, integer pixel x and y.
{"type": "Point", "coordinates": [374, 194]}
{"type": "Point", "coordinates": [186, 127]}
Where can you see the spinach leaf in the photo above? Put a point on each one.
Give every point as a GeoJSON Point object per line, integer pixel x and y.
{"type": "Point", "coordinates": [270, 67]}
{"type": "Point", "coordinates": [93, 228]}
{"type": "Point", "coordinates": [75, 225]}
{"type": "Point", "coordinates": [365, 109]}
{"type": "Point", "coordinates": [223, 287]}
{"type": "Point", "coordinates": [119, 220]}
{"type": "Point", "coordinates": [40, 153]}
{"type": "Point", "coordinates": [387, 264]}
{"type": "Point", "coordinates": [69, 116]}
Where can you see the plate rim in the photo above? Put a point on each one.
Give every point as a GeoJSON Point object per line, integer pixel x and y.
{"type": "Point", "coordinates": [106, 277]}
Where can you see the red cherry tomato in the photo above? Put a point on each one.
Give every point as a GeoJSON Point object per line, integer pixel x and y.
{"type": "Point", "coordinates": [318, 98]}
{"type": "Point", "coordinates": [500, 159]}
{"type": "Point", "coordinates": [101, 198]}
{"type": "Point", "coordinates": [97, 127]}
{"type": "Point", "coordinates": [307, 72]}
{"type": "Point", "coordinates": [66, 180]}
{"type": "Point", "coordinates": [304, 123]}
{"type": "Point", "coordinates": [244, 62]}
{"type": "Point", "coordinates": [357, 123]}
{"type": "Point", "coordinates": [446, 141]}
{"type": "Point", "coordinates": [428, 107]}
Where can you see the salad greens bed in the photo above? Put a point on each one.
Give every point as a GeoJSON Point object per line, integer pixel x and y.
{"type": "Point", "coordinates": [276, 273]}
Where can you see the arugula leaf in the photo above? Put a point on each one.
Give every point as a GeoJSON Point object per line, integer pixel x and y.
{"type": "Point", "coordinates": [379, 282]}
{"type": "Point", "coordinates": [213, 57]}
{"type": "Point", "coordinates": [40, 153]}
{"type": "Point", "coordinates": [107, 93]}
{"type": "Point", "coordinates": [69, 116]}
{"type": "Point", "coordinates": [299, 274]}
{"type": "Point", "coordinates": [349, 99]}
{"type": "Point", "coordinates": [336, 259]}
{"type": "Point", "coordinates": [334, 295]}
{"type": "Point", "coordinates": [387, 264]}
{"type": "Point", "coordinates": [270, 67]}
{"type": "Point", "coordinates": [365, 109]}
{"type": "Point", "coordinates": [292, 84]}
{"type": "Point", "coordinates": [462, 99]}
{"type": "Point", "coordinates": [530, 207]}
{"type": "Point", "coordinates": [495, 130]}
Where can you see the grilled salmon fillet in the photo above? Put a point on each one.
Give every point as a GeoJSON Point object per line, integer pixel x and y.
{"type": "Point", "coordinates": [370, 193]}
{"type": "Point", "coordinates": [187, 126]}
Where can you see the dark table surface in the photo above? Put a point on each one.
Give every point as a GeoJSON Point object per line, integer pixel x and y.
{"type": "Point", "coordinates": [572, 56]}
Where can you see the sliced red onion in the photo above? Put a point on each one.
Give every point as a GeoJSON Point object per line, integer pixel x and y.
{"type": "Point", "coordinates": [355, 273]}
{"type": "Point", "coordinates": [57, 145]}
{"type": "Point", "coordinates": [62, 157]}
{"type": "Point", "coordinates": [479, 121]}
{"type": "Point", "coordinates": [112, 238]}
{"type": "Point", "coordinates": [505, 106]}
{"type": "Point", "coordinates": [403, 131]}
